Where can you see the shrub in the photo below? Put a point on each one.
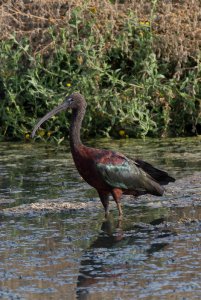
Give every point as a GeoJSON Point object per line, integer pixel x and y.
{"type": "Point", "coordinates": [136, 80]}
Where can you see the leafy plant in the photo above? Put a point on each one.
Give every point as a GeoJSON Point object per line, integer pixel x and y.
{"type": "Point", "coordinates": [130, 89]}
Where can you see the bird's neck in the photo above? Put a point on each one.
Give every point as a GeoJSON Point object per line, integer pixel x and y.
{"type": "Point", "coordinates": [76, 122]}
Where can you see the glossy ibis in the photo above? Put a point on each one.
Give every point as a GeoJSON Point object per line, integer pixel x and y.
{"type": "Point", "coordinates": [109, 172]}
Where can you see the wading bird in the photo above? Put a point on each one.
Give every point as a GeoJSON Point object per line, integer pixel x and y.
{"type": "Point", "coordinates": [109, 172]}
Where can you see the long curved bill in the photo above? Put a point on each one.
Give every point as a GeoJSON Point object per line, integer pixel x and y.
{"type": "Point", "coordinates": [53, 112]}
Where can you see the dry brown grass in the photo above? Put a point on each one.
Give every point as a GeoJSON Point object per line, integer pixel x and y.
{"type": "Point", "coordinates": [176, 24]}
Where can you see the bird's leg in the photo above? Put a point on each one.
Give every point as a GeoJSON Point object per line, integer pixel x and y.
{"type": "Point", "coordinates": [105, 201]}
{"type": "Point", "coordinates": [116, 193]}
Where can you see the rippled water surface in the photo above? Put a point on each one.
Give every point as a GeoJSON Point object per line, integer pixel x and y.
{"type": "Point", "coordinates": [154, 253]}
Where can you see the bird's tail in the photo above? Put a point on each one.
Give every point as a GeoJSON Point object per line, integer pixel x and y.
{"type": "Point", "coordinates": [160, 176]}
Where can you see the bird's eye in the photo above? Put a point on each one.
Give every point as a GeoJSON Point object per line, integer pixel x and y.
{"type": "Point", "coordinates": [70, 100]}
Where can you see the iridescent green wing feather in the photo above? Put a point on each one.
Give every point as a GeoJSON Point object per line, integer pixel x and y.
{"type": "Point", "coordinates": [126, 174]}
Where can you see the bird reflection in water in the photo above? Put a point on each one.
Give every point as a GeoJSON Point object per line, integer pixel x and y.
{"type": "Point", "coordinates": [104, 260]}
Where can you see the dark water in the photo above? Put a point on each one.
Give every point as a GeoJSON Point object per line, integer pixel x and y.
{"type": "Point", "coordinates": [155, 253]}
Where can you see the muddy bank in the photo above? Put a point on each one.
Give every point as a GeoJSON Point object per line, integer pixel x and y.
{"type": "Point", "coordinates": [46, 206]}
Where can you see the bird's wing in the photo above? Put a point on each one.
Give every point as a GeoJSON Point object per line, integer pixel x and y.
{"type": "Point", "coordinates": [120, 172]}
{"type": "Point", "coordinates": [160, 176]}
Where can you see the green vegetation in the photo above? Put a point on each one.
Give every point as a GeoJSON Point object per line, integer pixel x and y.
{"type": "Point", "coordinates": [132, 85]}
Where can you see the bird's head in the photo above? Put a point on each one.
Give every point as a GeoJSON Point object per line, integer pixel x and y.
{"type": "Point", "coordinates": [74, 101]}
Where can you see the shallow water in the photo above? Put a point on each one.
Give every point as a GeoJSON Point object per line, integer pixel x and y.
{"type": "Point", "coordinates": [154, 253]}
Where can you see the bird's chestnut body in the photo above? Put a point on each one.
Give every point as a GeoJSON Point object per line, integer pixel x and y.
{"type": "Point", "coordinates": [109, 172]}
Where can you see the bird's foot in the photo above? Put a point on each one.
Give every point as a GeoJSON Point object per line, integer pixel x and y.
{"type": "Point", "coordinates": [107, 215]}
{"type": "Point", "coordinates": [119, 224]}
{"type": "Point", "coordinates": [120, 218]}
